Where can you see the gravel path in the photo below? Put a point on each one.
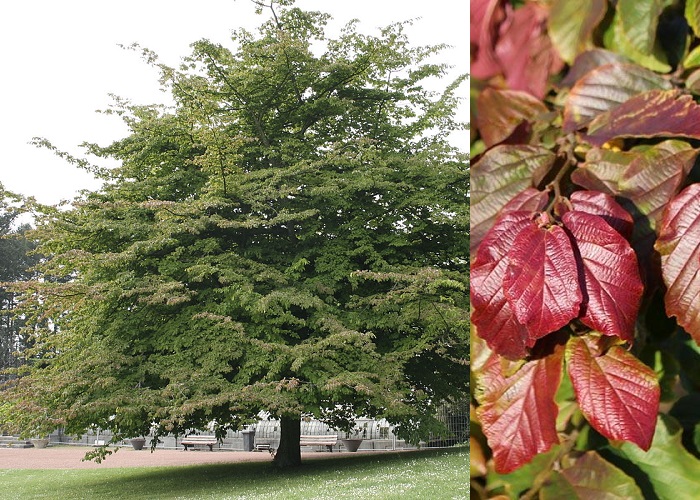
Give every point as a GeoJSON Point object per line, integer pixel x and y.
{"type": "Point", "coordinates": [69, 457]}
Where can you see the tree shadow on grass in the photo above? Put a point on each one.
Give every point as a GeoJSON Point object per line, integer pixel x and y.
{"type": "Point", "coordinates": [248, 479]}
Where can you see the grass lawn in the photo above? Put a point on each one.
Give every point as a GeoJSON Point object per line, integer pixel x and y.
{"type": "Point", "coordinates": [425, 475]}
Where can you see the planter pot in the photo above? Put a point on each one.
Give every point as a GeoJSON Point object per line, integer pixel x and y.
{"type": "Point", "coordinates": [40, 442]}
{"type": "Point", "coordinates": [351, 444]}
{"type": "Point", "coordinates": [138, 443]}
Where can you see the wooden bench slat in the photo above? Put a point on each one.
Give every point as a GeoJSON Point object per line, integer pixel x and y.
{"type": "Point", "coordinates": [209, 441]}
{"type": "Point", "coordinates": [319, 440]}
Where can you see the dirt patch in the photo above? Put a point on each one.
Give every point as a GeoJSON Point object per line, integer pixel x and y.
{"type": "Point", "coordinates": [69, 457]}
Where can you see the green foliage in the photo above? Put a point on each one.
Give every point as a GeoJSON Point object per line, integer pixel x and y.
{"type": "Point", "coordinates": [290, 236]}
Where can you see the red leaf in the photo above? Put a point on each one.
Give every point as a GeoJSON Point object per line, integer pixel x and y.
{"type": "Point", "coordinates": [612, 286]}
{"type": "Point", "coordinates": [492, 316]}
{"type": "Point", "coordinates": [679, 246]}
{"type": "Point", "coordinates": [605, 206]}
{"type": "Point", "coordinates": [541, 282]}
{"type": "Point", "coordinates": [501, 111]}
{"type": "Point", "coordinates": [525, 51]}
{"type": "Point", "coordinates": [617, 393]}
{"type": "Point", "coordinates": [603, 89]}
{"type": "Point", "coordinates": [484, 18]}
{"type": "Point", "coordinates": [518, 412]}
{"type": "Point", "coordinates": [657, 113]}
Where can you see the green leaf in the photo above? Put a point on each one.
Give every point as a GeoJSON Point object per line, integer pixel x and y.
{"type": "Point", "coordinates": [692, 15]}
{"type": "Point", "coordinates": [571, 24]}
{"type": "Point", "coordinates": [692, 60]}
{"type": "Point", "coordinates": [501, 174]}
{"type": "Point", "coordinates": [653, 59]}
{"type": "Point", "coordinates": [639, 20]}
{"type": "Point", "coordinates": [656, 175]}
{"type": "Point", "coordinates": [671, 469]}
{"type": "Point", "coordinates": [687, 411]}
{"type": "Point", "coordinates": [592, 478]}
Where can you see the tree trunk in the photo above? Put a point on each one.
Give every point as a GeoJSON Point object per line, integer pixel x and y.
{"type": "Point", "coordinates": [288, 453]}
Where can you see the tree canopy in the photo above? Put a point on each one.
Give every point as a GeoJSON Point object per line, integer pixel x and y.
{"type": "Point", "coordinates": [290, 236]}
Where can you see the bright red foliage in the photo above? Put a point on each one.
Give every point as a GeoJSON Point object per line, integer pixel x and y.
{"type": "Point", "coordinates": [612, 285]}
{"type": "Point", "coordinates": [540, 282]}
{"type": "Point", "coordinates": [618, 394]}
{"type": "Point", "coordinates": [517, 410]}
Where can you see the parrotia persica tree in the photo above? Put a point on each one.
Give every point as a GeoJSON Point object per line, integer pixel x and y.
{"type": "Point", "coordinates": [585, 241]}
{"type": "Point", "coordinates": [290, 236]}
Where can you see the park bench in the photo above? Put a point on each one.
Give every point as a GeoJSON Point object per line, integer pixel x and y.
{"type": "Point", "coordinates": [328, 441]}
{"type": "Point", "coordinates": [265, 447]}
{"type": "Point", "coordinates": [209, 441]}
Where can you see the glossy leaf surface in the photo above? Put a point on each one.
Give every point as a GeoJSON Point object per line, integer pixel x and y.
{"type": "Point", "coordinates": [590, 60]}
{"type": "Point", "coordinates": [501, 174]}
{"type": "Point", "coordinates": [604, 206]}
{"type": "Point", "coordinates": [517, 411]}
{"type": "Point", "coordinates": [492, 315]}
{"type": "Point", "coordinates": [604, 88]}
{"type": "Point", "coordinates": [541, 282]}
{"type": "Point", "coordinates": [616, 392]}
{"type": "Point", "coordinates": [571, 25]}
{"type": "Point", "coordinates": [613, 288]}
{"type": "Point", "coordinates": [657, 113]}
{"type": "Point", "coordinates": [679, 246]}
{"type": "Point", "coordinates": [500, 112]}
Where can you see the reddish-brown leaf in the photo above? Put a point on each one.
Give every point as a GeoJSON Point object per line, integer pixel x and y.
{"type": "Point", "coordinates": [679, 246]}
{"type": "Point", "coordinates": [525, 51]}
{"type": "Point", "coordinates": [541, 282]}
{"type": "Point", "coordinates": [517, 411]}
{"type": "Point", "coordinates": [605, 88]}
{"type": "Point", "coordinates": [603, 170]}
{"type": "Point", "coordinates": [656, 113]}
{"type": "Point", "coordinates": [656, 175]}
{"type": "Point", "coordinates": [591, 478]}
{"type": "Point", "coordinates": [500, 175]}
{"type": "Point", "coordinates": [605, 206]}
{"type": "Point", "coordinates": [617, 393]}
{"type": "Point", "coordinates": [588, 61]}
{"type": "Point", "coordinates": [611, 282]}
{"type": "Point", "coordinates": [500, 112]}
{"type": "Point", "coordinates": [491, 314]}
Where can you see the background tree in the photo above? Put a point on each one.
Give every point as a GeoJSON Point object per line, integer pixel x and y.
{"type": "Point", "coordinates": [15, 264]}
{"type": "Point", "coordinates": [289, 237]}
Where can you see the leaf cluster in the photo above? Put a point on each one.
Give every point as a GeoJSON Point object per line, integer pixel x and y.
{"type": "Point", "coordinates": [585, 208]}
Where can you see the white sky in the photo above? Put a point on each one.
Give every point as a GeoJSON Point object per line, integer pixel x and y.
{"type": "Point", "coordinates": [61, 59]}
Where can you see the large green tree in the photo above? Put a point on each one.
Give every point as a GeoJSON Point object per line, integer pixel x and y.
{"type": "Point", "coordinates": [290, 236]}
